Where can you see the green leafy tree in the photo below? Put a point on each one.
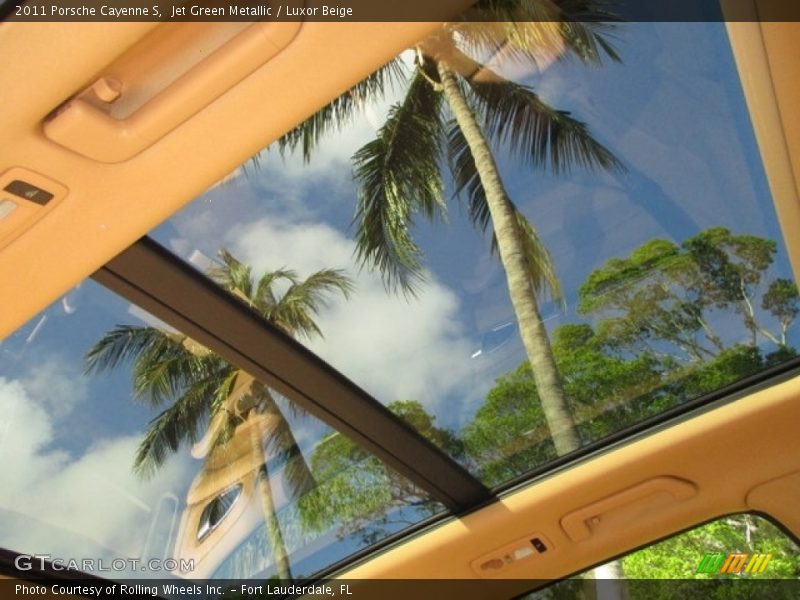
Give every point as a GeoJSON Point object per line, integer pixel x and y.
{"type": "Point", "coordinates": [202, 390]}
{"type": "Point", "coordinates": [675, 562]}
{"type": "Point", "coordinates": [457, 111]}
{"type": "Point", "coordinates": [653, 348]}
{"type": "Point", "coordinates": [358, 493]}
{"type": "Point", "coordinates": [662, 299]}
{"type": "Point", "coordinates": [781, 300]}
{"type": "Point", "coordinates": [508, 435]}
{"type": "Point", "coordinates": [678, 558]}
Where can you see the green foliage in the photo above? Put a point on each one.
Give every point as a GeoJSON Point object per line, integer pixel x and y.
{"type": "Point", "coordinates": [529, 28]}
{"type": "Point", "coordinates": [398, 176]}
{"type": "Point", "coordinates": [657, 306]}
{"type": "Point", "coordinates": [601, 288]}
{"type": "Point", "coordinates": [782, 301]}
{"type": "Point", "coordinates": [679, 556]}
{"type": "Point", "coordinates": [538, 134]}
{"type": "Point", "coordinates": [508, 435]}
{"type": "Point", "coordinates": [600, 386]}
{"type": "Point", "coordinates": [295, 310]}
{"type": "Point", "coordinates": [728, 366]}
{"type": "Point", "coordinates": [357, 492]}
{"type": "Point", "coordinates": [342, 110]}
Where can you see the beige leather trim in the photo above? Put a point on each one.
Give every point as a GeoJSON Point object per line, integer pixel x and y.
{"type": "Point", "coordinates": [779, 498]}
{"type": "Point", "coordinates": [767, 55]}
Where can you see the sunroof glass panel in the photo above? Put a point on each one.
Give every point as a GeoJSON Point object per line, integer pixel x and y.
{"type": "Point", "coordinates": [640, 241]}
{"type": "Point", "coordinates": [132, 450]}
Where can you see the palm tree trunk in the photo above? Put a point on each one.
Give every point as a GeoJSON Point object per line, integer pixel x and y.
{"type": "Point", "coordinates": [562, 427]}
{"type": "Point", "coordinates": [534, 335]}
{"type": "Point", "coordinates": [264, 490]}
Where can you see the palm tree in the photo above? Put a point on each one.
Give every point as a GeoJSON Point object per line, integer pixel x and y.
{"type": "Point", "coordinates": [456, 110]}
{"type": "Point", "coordinates": [199, 387]}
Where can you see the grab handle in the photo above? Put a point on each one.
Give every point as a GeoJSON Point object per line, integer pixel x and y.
{"type": "Point", "coordinates": [85, 123]}
{"type": "Point", "coordinates": [630, 504]}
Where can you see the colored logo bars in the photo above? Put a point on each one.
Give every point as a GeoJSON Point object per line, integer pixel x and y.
{"type": "Point", "coordinates": [736, 563]}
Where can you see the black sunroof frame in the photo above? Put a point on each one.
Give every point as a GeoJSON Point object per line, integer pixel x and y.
{"type": "Point", "coordinates": [172, 290]}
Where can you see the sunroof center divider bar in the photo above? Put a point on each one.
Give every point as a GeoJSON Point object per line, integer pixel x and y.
{"type": "Point", "coordinates": [152, 277]}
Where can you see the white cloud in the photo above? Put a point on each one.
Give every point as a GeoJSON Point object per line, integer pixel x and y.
{"type": "Point", "coordinates": [395, 348]}
{"type": "Point", "coordinates": [69, 507]}
{"type": "Point", "coordinates": [56, 387]}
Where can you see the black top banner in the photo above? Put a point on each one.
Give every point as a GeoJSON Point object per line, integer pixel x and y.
{"type": "Point", "coordinates": [387, 10]}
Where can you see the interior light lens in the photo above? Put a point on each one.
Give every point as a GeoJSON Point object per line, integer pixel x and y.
{"type": "Point", "coordinates": [6, 207]}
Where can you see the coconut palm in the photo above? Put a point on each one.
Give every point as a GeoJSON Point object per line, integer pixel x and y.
{"type": "Point", "coordinates": [458, 111]}
{"type": "Point", "coordinates": [204, 392]}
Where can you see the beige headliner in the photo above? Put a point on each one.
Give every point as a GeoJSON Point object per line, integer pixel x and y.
{"type": "Point", "coordinates": [725, 452]}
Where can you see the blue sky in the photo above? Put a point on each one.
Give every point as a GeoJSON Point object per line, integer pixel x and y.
{"type": "Point", "coordinates": [674, 114]}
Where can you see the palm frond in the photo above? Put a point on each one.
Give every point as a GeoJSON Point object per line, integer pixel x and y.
{"type": "Point", "coordinates": [265, 298]}
{"type": "Point", "coordinates": [162, 372]}
{"type": "Point", "coordinates": [523, 32]}
{"type": "Point", "coordinates": [539, 264]}
{"type": "Point", "coordinates": [233, 275]}
{"type": "Point", "coordinates": [398, 176]}
{"type": "Point", "coordinates": [226, 430]}
{"type": "Point", "coordinates": [540, 135]}
{"type": "Point", "coordinates": [179, 423]}
{"type": "Point", "coordinates": [302, 301]}
{"type": "Point", "coordinates": [161, 365]}
{"type": "Point", "coordinates": [120, 345]}
{"type": "Point", "coordinates": [341, 111]}
{"type": "Point", "coordinates": [539, 31]}
{"type": "Point", "coordinates": [227, 378]}
{"type": "Point", "coordinates": [588, 28]}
